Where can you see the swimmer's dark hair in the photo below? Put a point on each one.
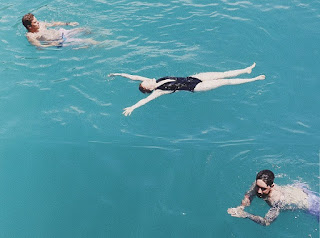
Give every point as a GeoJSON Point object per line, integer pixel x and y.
{"type": "Point", "coordinates": [144, 90]}
{"type": "Point", "coordinates": [27, 19]}
{"type": "Point", "coordinates": [266, 176]}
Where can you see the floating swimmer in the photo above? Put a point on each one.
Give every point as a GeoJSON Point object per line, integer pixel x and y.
{"type": "Point", "coordinates": [289, 197]}
{"type": "Point", "coordinates": [195, 83]}
{"type": "Point", "coordinates": [39, 35]}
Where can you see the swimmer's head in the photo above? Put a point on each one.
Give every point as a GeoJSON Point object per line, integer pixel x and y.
{"type": "Point", "coordinates": [266, 176]}
{"type": "Point", "coordinates": [27, 20]}
{"type": "Point", "coordinates": [30, 22]}
{"type": "Point", "coordinates": [147, 86]}
{"type": "Point", "coordinates": [264, 183]}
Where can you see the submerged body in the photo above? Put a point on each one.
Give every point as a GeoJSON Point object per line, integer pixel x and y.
{"type": "Point", "coordinates": [55, 37]}
{"type": "Point", "coordinates": [41, 35]}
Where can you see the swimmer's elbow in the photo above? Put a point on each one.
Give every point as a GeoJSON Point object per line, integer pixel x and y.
{"type": "Point", "coordinates": [264, 223]}
{"type": "Point", "coordinates": [267, 222]}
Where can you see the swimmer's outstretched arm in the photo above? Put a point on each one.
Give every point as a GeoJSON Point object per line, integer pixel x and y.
{"type": "Point", "coordinates": [59, 23]}
{"type": "Point", "coordinates": [157, 93]}
{"type": "Point", "coordinates": [129, 76]}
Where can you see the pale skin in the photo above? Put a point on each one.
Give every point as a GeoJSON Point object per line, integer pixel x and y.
{"type": "Point", "coordinates": [277, 197]}
{"type": "Point", "coordinates": [38, 33]}
{"type": "Point", "coordinates": [209, 81]}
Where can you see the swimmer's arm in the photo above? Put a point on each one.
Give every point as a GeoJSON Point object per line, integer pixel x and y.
{"type": "Point", "coordinates": [129, 76]}
{"type": "Point", "coordinates": [37, 43]}
{"type": "Point", "coordinates": [157, 93]}
{"type": "Point", "coordinates": [246, 201]}
{"type": "Point", "coordinates": [59, 23]}
{"type": "Point", "coordinates": [271, 215]}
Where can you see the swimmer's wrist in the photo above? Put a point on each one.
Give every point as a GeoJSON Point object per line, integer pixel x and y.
{"type": "Point", "coordinates": [247, 215]}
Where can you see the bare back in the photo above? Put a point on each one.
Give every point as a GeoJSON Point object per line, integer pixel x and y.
{"type": "Point", "coordinates": [288, 197]}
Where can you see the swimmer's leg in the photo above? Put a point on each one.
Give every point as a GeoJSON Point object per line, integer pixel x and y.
{"type": "Point", "coordinates": [212, 84]}
{"type": "Point", "coordinates": [92, 41]}
{"type": "Point", "coordinates": [76, 31]}
{"type": "Point", "coordinates": [84, 43]}
{"type": "Point", "coordinates": [220, 75]}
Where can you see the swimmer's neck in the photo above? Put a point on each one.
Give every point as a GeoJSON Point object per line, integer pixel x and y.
{"type": "Point", "coordinates": [33, 31]}
{"type": "Point", "coordinates": [275, 193]}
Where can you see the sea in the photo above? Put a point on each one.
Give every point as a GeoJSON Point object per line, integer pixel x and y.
{"type": "Point", "coordinates": [72, 165]}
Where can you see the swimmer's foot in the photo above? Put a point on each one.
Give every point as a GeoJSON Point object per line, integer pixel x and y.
{"type": "Point", "coordinates": [85, 31]}
{"type": "Point", "coordinates": [249, 69]}
{"type": "Point", "coordinates": [81, 47]}
{"type": "Point", "coordinates": [260, 77]}
{"type": "Point", "coordinates": [93, 42]}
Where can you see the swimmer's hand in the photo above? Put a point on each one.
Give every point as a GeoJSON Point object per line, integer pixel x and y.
{"type": "Point", "coordinates": [237, 212]}
{"type": "Point", "coordinates": [53, 43]}
{"type": "Point", "coordinates": [56, 43]}
{"type": "Point", "coordinates": [261, 77]}
{"type": "Point", "coordinates": [127, 111]}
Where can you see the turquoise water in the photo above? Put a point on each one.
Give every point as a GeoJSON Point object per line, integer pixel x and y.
{"type": "Point", "coordinates": [71, 165]}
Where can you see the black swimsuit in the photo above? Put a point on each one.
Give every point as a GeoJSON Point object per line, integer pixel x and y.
{"type": "Point", "coordinates": [179, 83]}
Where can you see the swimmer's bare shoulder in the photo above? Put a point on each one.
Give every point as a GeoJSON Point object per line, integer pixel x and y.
{"type": "Point", "coordinates": [33, 38]}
